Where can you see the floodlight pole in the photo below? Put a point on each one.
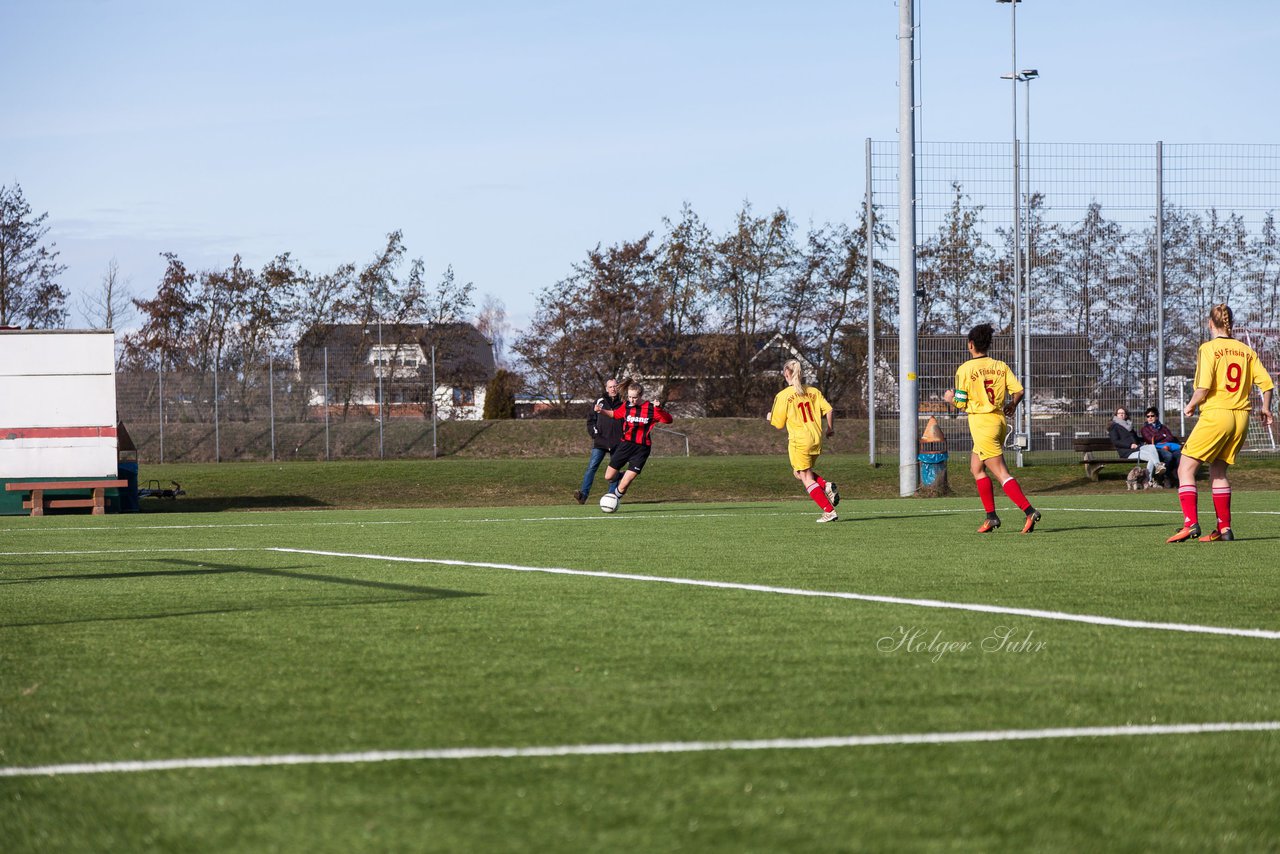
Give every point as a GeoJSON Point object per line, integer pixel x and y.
{"type": "Point", "coordinates": [871, 317]}
{"type": "Point", "coordinates": [1017, 207]}
{"type": "Point", "coordinates": [1027, 75]}
{"type": "Point", "coordinates": [326, 403]}
{"type": "Point", "coordinates": [908, 382]}
{"type": "Point", "coordinates": [434, 448]}
{"type": "Point", "coordinates": [160, 374]}
{"type": "Point", "coordinates": [378, 366]}
{"type": "Point", "coordinates": [1160, 400]}
{"type": "Point", "coordinates": [217, 435]}
{"type": "Point", "coordinates": [271, 402]}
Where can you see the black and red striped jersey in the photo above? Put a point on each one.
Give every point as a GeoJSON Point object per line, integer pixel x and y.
{"type": "Point", "coordinates": [638, 420]}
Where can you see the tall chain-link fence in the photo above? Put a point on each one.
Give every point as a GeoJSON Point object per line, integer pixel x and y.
{"type": "Point", "coordinates": [1100, 228]}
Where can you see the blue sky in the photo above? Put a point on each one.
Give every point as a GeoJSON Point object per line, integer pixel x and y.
{"type": "Point", "coordinates": [507, 139]}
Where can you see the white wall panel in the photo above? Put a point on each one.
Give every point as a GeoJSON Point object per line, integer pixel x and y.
{"type": "Point", "coordinates": [58, 401]}
{"type": "Point", "coordinates": [44, 353]}
{"type": "Point", "coordinates": [65, 458]}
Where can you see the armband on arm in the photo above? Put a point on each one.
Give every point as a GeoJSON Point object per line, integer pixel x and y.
{"type": "Point", "coordinates": [961, 400]}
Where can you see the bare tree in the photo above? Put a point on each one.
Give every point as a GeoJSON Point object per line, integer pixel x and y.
{"type": "Point", "coordinates": [554, 350]}
{"type": "Point", "coordinates": [684, 267]}
{"type": "Point", "coordinates": [753, 270]}
{"type": "Point", "coordinates": [492, 323]}
{"type": "Point", "coordinates": [29, 291]}
{"type": "Point", "coordinates": [956, 270]}
{"type": "Point", "coordinates": [109, 306]}
{"type": "Point", "coordinates": [166, 331]}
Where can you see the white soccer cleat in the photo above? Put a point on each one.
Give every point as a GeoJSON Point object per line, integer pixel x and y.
{"type": "Point", "coordinates": [829, 517]}
{"type": "Point", "coordinates": [833, 493]}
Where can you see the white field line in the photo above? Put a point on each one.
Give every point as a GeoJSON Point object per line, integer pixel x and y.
{"type": "Point", "coordinates": [1033, 613]}
{"type": "Point", "coordinates": [634, 749]}
{"type": "Point", "coordinates": [827, 594]}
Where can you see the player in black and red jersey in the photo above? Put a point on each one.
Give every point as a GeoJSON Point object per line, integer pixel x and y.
{"type": "Point", "coordinates": [639, 417]}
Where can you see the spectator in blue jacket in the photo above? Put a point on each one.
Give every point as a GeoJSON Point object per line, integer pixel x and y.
{"type": "Point", "coordinates": [1166, 444]}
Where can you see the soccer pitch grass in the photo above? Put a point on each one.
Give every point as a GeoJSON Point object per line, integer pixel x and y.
{"type": "Point", "coordinates": [625, 704]}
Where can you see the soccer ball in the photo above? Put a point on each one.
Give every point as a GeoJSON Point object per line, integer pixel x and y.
{"type": "Point", "coordinates": [608, 502]}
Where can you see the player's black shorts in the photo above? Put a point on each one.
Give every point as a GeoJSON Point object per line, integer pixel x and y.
{"type": "Point", "coordinates": [629, 454]}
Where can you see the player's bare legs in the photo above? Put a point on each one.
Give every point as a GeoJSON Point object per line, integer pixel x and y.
{"type": "Point", "coordinates": [1000, 471]}
{"type": "Point", "coordinates": [817, 493]}
{"type": "Point", "coordinates": [621, 486]}
{"type": "Point", "coordinates": [1187, 499]}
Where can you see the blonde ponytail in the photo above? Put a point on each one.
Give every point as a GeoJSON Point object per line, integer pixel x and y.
{"type": "Point", "coordinates": [1222, 317]}
{"type": "Point", "coordinates": [796, 375]}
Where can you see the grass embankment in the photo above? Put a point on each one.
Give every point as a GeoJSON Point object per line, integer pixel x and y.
{"type": "Point", "coordinates": [458, 482]}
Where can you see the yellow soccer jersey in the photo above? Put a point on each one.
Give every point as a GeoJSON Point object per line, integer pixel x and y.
{"type": "Point", "coordinates": [801, 414]}
{"type": "Point", "coordinates": [1229, 370]}
{"type": "Point", "coordinates": [988, 382]}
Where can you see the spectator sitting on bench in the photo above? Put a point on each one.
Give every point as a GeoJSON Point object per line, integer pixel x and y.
{"type": "Point", "coordinates": [1166, 444]}
{"type": "Point", "coordinates": [1128, 444]}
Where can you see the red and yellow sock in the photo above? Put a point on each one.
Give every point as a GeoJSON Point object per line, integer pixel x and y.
{"type": "Point", "coordinates": [819, 497]}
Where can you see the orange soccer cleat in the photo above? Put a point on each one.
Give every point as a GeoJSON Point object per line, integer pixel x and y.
{"type": "Point", "coordinates": [1030, 525]}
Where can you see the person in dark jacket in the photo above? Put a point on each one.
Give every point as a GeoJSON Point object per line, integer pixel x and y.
{"type": "Point", "coordinates": [1128, 444]}
{"type": "Point", "coordinates": [1167, 446]}
{"type": "Point", "coordinates": [605, 435]}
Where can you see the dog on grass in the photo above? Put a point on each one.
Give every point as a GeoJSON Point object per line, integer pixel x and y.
{"type": "Point", "coordinates": [1137, 478]}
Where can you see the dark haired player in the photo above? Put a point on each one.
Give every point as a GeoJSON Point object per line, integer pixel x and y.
{"type": "Point", "coordinates": [639, 417]}
{"type": "Point", "coordinates": [988, 391]}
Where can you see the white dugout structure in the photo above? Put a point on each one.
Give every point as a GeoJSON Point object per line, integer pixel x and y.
{"type": "Point", "coordinates": [57, 408]}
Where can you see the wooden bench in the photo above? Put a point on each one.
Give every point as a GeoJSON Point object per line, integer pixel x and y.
{"type": "Point", "coordinates": [1090, 445]}
{"type": "Point", "coordinates": [37, 503]}
{"type": "Point", "coordinates": [1087, 446]}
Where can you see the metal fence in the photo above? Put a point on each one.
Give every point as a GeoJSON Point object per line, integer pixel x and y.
{"type": "Point", "coordinates": [344, 406]}
{"type": "Point", "coordinates": [1124, 248]}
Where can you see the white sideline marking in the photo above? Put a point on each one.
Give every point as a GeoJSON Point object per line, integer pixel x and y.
{"type": "Point", "coordinates": [830, 594]}
{"type": "Point", "coordinates": [1034, 613]}
{"type": "Point", "coordinates": [633, 749]}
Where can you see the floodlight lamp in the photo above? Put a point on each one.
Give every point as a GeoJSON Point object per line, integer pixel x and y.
{"type": "Point", "coordinates": [1029, 74]}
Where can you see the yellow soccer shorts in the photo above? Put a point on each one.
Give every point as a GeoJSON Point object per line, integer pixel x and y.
{"type": "Point", "coordinates": [1218, 435]}
{"type": "Point", "coordinates": [802, 457]}
{"type": "Point", "coordinates": [988, 431]}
